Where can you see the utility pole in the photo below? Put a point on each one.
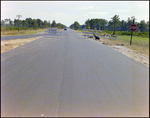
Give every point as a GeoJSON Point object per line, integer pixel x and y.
{"type": "Point", "coordinates": [18, 16]}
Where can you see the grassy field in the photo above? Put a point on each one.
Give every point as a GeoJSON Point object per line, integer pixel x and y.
{"type": "Point", "coordinates": [21, 32]}
{"type": "Point", "coordinates": [12, 31]}
{"type": "Point", "coordinates": [135, 39]}
{"type": "Point", "coordinates": [80, 30]}
{"type": "Point", "coordinates": [128, 33]}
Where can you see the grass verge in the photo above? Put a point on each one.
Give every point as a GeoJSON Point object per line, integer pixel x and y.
{"type": "Point", "coordinates": [135, 39]}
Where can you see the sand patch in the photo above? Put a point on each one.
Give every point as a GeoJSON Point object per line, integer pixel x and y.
{"type": "Point", "coordinates": [7, 45]}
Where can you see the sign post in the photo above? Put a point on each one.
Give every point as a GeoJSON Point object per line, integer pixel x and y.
{"type": "Point", "coordinates": [85, 31]}
{"type": "Point", "coordinates": [58, 31]}
{"type": "Point", "coordinates": [133, 27]}
{"type": "Point", "coordinates": [89, 28]}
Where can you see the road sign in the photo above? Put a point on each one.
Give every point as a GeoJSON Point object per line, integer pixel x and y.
{"type": "Point", "coordinates": [133, 27]}
{"type": "Point", "coordinates": [58, 26]}
{"type": "Point", "coordinates": [89, 27]}
{"type": "Point", "coordinates": [85, 27]}
{"type": "Point", "coordinates": [46, 26]}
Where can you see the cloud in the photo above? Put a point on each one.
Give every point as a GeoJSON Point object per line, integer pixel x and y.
{"type": "Point", "coordinates": [85, 15]}
{"type": "Point", "coordinates": [59, 13]}
{"type": "Point", "coordinates": [43, 13]}
{"type": "Point", "coordinates": [138, 5]}
{"type": "Point", "coordinates": [122, 10]}
{"type": "Point", "coordinates": [84, 7]}
{"type": "Point", "coordinates": [7, 9]}
{"type": "Point", "coordinates": [99, 13]}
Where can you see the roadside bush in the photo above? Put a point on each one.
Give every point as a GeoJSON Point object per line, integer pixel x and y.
{"type": "Point", "coordinates": [123, 33]}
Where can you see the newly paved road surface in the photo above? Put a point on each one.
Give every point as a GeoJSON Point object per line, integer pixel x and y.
{"type": "Point", "coordinates": [72, 76]}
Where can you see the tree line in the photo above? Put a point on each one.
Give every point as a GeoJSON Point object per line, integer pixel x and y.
{"type": "Point", "coordinates": [29, 22]}
{"type": "Point", "coordinates": [114, 24]}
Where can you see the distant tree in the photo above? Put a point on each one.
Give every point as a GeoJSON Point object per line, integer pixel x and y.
{"type": "Point", "coordinates": [11, 23]}
{"type": "Point", "coordinates": [60, 25]}
{"type": "Point", "coordinates": [82, 26]}
{"type": "Point", "coordinates": [20, 23]}
{"type": "Point", "coordinates": [17, 23]}
{"type": "Point", "coordinates": [30, 22]}
{"type": "Point", "coordinates": [142, 25]}
{"type": "Point", "coordinates": [92, 23]}
{"type": "Point", "coordinates": [39, 22]}
{"type": "Point", "coordinates": [147, 26]}
{"type": "Point", "coordinates": [2, 23]}
{"type": "Point", "coordinates": [24, 23]}
{"type": "Point", "coordinates": [129, 22]}
{"type": "Point", "coordinates": [115, 21]}
{"type": "Point", "coordinates": [133, 19]}
{"type": "Point", "coordinates": [72, 26]}
{"type": "Point", "coordinates": [138, 26]}
{"type": "Point", "coordinates": [76, 25]}
{"type": "Point", "coordinates": [147, 23]}
{"type": "Point", "coordinates": [45, 23]}
{"type": "Point", "coordinates": [53, 23]}
{"type": "Point", "coordinates": [104, 22]}
{"type": "Point", "coordinates": [87, 23]}
{"type": "Point", "coordinates": [122, 25]}
{"type": "Point", "coordinates": [6, 21]}
{"type": "Point", "coordinates": [49, 23]}
{"type": "Point", "coordinates": [110, 25]}
{"type": "Point", "coordinates": [34, 24]}
{"type": "Point", "coordinates": [125, 25]}
{"type": "Point", "coordinates": [97, 23]}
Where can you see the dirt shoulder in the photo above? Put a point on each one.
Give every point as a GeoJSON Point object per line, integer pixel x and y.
{"type": "Point", "coordinates": [7, 45]}
{"type": "Point", "coordinates": [137, 53]}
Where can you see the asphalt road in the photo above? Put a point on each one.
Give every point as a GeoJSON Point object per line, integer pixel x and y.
{"type": "Point", "coordinates": [72, 76]}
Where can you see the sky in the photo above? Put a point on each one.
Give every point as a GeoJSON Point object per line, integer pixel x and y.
{"type": "Point", "coordinates": [67, 12]}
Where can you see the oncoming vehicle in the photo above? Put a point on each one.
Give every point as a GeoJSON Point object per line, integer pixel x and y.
{"type": "Point", "coordinates": [65, 29]}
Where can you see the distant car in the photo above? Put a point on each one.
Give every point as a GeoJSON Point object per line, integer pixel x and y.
{"type": "Point", "coordinates": [65, 29]}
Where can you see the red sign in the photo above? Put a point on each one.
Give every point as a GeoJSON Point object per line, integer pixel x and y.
{"type": "Point", "coordinates": [133, 27]}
